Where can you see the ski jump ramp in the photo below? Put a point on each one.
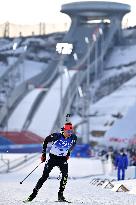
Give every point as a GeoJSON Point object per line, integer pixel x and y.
{"type": "Point", "coordinates": [82, 14]}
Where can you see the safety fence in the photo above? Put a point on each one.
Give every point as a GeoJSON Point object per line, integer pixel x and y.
{"type": "Point", "coordinates": [9, 164]}
{"type": "Point", "coordinates": [15, 30]}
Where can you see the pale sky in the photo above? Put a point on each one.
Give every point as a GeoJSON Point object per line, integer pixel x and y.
{"type": "Point", "coordinates": [48, 11]}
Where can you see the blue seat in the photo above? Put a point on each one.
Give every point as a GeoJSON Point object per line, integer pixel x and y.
{"type": "Point", "coordinates": [5, 141]}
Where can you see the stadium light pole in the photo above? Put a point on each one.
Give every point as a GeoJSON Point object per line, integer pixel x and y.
{"type": "Point", "coordinates": [102, 41]}
{"type": "Point", "coordinates": [87, 95]}
{"type": "Point", "coordinates": [60, 71]}
{"type": "Point", "coordinates": [63, 49]}
{"type": "Point", "coordinates": [79, 88]}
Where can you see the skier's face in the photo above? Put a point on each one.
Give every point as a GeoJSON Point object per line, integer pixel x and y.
{"type": "Point", "coordinates": [68, 133]}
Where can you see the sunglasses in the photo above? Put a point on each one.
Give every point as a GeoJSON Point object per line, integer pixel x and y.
{"type": "Point", "coordinates": [69, 131]}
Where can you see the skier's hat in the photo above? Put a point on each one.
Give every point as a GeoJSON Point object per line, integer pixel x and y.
{"type": "Point", "coordinates": [68, 126]}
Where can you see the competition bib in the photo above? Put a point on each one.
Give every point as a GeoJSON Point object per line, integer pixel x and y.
{"type": "Point", "coordinates": [61, 146]}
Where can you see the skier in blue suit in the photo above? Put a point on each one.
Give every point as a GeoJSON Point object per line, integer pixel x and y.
{"type": "Point", "coordinates": [62, 144]}
{"type": "Point", "coordinates": [121, 164]}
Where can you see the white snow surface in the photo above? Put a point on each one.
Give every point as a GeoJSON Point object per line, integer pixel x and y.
{"type": "Point", "coordinates": [122, 128]}
{"type": "Point", "coordinates": [120, 101]}
{"type": "Point", "coordinates": [31, 68]}
{"type": "Point", "coordinates": [79, 191]}
{"type": "Point", "coordinates": [25, 105]}
{"type": "Point", "coordinates": [116, 101]}
{"type": "Point", "coordinates": [47, 112]}
{"type": "Point", "coordinates": [121, 55]}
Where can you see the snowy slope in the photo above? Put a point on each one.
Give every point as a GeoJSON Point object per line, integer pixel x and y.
{"type": "Point", "coordinates": [121, 55]}
{"type": "Point", "coordinates": [45, 117]}
{"type": "Point", "coordinates": [30, 68]}
{"type": "Point", "coordinates": [123, 129]}
{"type": "Point", "coordinates": [79, 191]}
{"type": "Point", "coordinates": [113, 104]}
{"type": "Point", "coordinates": [103, 112]}
{"type": "Point", "coordinates": [17, 119]}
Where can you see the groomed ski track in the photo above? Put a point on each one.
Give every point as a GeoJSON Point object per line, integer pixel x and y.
{"type": "Point", "coordinates": [78, 191]}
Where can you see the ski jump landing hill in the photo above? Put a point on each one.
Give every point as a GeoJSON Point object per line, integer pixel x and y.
{"type": "Point", "coordinates": [101, 37]}
{"type": "Point", "coordinates": [89, 39]}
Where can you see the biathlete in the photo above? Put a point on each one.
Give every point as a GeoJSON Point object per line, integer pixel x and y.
{"type": "Point", "coordinates": [62, 144]}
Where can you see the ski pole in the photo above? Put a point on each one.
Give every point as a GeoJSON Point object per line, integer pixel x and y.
{"type": "Point", "coordinates": [30, 173]}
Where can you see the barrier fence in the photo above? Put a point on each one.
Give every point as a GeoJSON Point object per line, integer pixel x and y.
{"type": "Point", "coordinates": [79, 150]}
{"type": "Point", "coordinates": [15, 30]}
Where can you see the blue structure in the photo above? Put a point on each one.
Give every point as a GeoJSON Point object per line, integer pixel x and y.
{"type": "Point", "coordinates": [5, 141]}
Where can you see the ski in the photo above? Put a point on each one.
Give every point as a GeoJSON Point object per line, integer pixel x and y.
{"type": "Point", "coordinates": [26, 201]}
{"type": "Point", "coordinates": [69, 202]}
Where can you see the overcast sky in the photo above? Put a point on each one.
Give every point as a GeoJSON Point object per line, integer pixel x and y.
{"type": "Point", "coordinates": [35, 11]}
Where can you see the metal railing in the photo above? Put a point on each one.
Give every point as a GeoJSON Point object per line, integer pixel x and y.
{"type": "Point", "coordinates": [11, 165]}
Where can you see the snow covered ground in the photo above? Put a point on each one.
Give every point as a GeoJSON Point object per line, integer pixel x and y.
{"type": "Point", "coordinates": [79, 190]}
{"type": "Point", "coordinates": [25, 105]}
{"type": "Point", "coordinates": [45, 116]}
{"type": "Point", "coordinates": [121, 55]}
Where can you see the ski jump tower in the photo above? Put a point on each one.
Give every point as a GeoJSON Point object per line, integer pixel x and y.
{"type": "Point", "coordinates": [88, 18]}
{"type": "Point", "coordinates": [82, 12]}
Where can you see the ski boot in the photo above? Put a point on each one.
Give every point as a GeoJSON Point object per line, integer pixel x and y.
{"type": "Point", "coordinates": [61, 198]}
{"type": "Point", "coordinates": [32, 196]}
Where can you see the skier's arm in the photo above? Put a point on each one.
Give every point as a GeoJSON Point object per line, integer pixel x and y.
{"type": "Point", "coordinates": [48, 139]}
{"type": "Point", "coordinates": [72, 147]}
{"type": "Point", "coordinates": [126, 162]}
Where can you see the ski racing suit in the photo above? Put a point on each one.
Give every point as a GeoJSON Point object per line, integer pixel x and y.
{"type": "Point", "coordinates": [59, 153]}
{"type": "Point", "coordinates": [121, 162]}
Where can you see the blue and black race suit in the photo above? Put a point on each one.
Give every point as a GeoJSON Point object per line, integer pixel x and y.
{"type": "Point", "coordinates": [60, 150]}
{"type": "Point", "coordinates": [61, 146]}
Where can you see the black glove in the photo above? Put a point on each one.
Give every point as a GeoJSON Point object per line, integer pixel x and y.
{"type": "Point", "coordinates": [43, 157]}
{"type": "Point", "coordinates": [68, 155]}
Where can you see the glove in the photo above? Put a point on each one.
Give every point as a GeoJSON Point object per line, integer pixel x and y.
{"type": "Point", "coordinates": [43, 157]}
{"type": "Point", "coordinates": [68, 157]}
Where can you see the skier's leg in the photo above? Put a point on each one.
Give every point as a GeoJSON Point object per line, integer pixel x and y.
{"type": "Point", "coordinates": [64, 170]}
{"type": "Point", "coordinates": [123, 174]}
{"type": "Point", "coordinates": [118, 173]}
{"type": "Point", "coordinates": [47, 169]}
